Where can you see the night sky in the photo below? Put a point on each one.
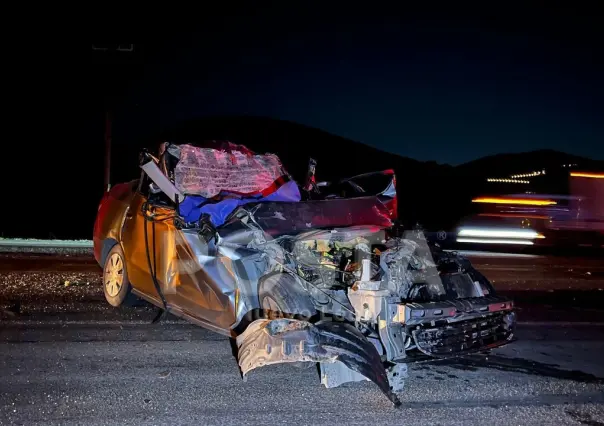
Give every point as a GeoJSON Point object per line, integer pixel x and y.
{"type": "Point", "coordinates": [432, 89]}
{"type": "Point", "coordinates": [450, 88]}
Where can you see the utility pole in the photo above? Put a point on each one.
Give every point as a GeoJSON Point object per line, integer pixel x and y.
{"type": "Point", "coordinates": [107, 180]}
{"type": "Point", "coordinates": [110, 64]}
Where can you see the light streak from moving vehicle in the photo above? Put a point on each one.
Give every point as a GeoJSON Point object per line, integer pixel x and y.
{"type": "Point", "coordinates": [519, 201]}
{"type": "Point", "coordinates": [497, 241]}
{"type": "Point", "coordinates": [587, 175]}
{"type": "Point", "coordinates": [499, 233]}
{"type": "Point", "coordinates": [515, 215]}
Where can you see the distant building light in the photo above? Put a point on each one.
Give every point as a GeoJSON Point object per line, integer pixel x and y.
{"type": "Point", "coordinates": [525, 175]}
{"type": "Point", "coordinates": [507, 180]}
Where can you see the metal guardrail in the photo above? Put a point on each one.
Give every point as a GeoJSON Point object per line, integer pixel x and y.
{"type": "Point", "coordinates": [34, 243]}
{"type": "Point", "coordinates": [76, 244]}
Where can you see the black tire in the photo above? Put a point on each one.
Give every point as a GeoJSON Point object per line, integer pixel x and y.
{"type": "Point", "coordinates": [281, 296]}
{"type": "Point", "coordinates": [116, 286]}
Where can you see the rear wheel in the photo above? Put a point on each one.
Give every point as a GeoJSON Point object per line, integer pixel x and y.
{"type": "Point", "coordinates": [116, 285]}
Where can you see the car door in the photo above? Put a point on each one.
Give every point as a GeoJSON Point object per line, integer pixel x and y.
{"type": "Point", "coordinates": [197, 281]}
{"type": "Point", "coordinates": [194, 281]}
{"type": "Point", "coordinates": [133, 244]}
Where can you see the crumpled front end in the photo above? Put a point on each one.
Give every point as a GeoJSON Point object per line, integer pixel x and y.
{"type": "Point", "coordinates": [388, 302]}
{"type": "Point", "coordinates": [439, 305]}
{"type": "Point", "coordinates": [267, 342]}
{"type": "Point", "coordinates": [473, 334]}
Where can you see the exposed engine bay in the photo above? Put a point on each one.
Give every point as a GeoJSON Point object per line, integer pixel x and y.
{"type": "Point", "coordinates": [410, 299]}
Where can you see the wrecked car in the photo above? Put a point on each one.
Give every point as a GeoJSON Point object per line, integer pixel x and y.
{"type": "Point", "coordinates": [317, 272]}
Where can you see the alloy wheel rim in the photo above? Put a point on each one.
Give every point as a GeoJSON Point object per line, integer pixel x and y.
{"type": "Point", "coordinates": [114, 275]}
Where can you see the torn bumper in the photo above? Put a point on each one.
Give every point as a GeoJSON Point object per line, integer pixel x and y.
{"type": "Point", "coordinates": [466, 336]}
{"type": "Point", "coordinates": [445, 329]}
{"type": "Point", "coordinates": [267, 342]}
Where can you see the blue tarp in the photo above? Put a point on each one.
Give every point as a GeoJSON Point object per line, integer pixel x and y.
{"type": "Point", "coordinates": [193, 206]}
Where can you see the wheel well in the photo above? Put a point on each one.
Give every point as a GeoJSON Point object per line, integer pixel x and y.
{"type": "Point", "coordinates": [263, 278]}
{"type": "Point", "coordinates": [272, 274]}
{"type": "Point", "coordinates": [287, 294]}
{"type": "Point", "coordinates": [108, 244]}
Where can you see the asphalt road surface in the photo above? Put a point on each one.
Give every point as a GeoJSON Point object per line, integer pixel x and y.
{"type": "Point", "coordinates": [132, 373]}
{"type": "Point", "coordinates": [67, 358]}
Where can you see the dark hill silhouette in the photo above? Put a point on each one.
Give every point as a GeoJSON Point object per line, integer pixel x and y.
{"type": "Point", "coordinates": [474, 174]}
{"type": "Point", "coordinates": [337, 157]}
{"type": "Point", "coordinates": [436, 195]}
{"type": "Point", "coordinates": [295, 144]}
{"type": "Point", "coordinates": [502, 165]}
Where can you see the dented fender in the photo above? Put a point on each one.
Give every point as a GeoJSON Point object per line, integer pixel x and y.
{"type": "Point", "coordinates": [267, 342]}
